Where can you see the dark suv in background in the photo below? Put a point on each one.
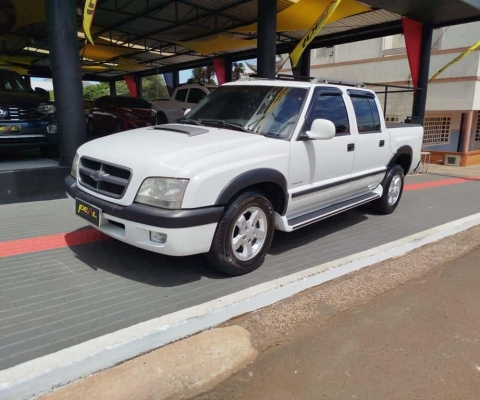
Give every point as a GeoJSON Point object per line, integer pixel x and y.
{"type": "Point", "coordinates": [27, 117]}
{"type": "Point", "coordinates": [118, 113]}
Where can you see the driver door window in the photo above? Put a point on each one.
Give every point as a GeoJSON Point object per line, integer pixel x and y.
{"type": "Point", "coordinates": [195, 96]}
{"type": "Point", "coordinates": [332, 107]}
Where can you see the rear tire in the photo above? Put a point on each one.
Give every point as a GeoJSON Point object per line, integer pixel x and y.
{"type": "Point", "coordinates": [392, 191]}
{"type": "Point", "coordinates": [243, 236]}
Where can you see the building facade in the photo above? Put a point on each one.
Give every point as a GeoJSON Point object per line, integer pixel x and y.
{"type": "Point", "coordinates": [452, 122]}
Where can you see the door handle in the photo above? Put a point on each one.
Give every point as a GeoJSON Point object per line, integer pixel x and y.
{"type": "Point", "coordinates": [382, 143]}
{"type": "Point", "coordinates": [351, 147]}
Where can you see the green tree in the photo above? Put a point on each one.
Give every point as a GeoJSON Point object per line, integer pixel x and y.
{"type": "Point", "coordinates": [238, 71]}
{"type": "Point", "coordinates": [203, 75]}
{"type": "Point", "coordinates": [93, 92]}
{"type": "Point", "coordinates": [153, 88]}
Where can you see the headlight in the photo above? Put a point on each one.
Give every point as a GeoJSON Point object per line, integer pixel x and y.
{"type": "Point", "coordinates": [46, 108]}
{"type": "Point", "coordinates": [73, 172]}
{"type": "Point", "coordinates": [130, 115]}
{"type": "Point", "coordinates": [162, 192]}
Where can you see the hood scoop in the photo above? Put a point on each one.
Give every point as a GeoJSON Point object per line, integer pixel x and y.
{"type": "Point", "coordinates": [181, 128]}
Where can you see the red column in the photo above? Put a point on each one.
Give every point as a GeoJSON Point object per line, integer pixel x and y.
{"type": "Point", "coordinates": [131, 84]}
{"type": "Point", "coordinates": [219, 67]}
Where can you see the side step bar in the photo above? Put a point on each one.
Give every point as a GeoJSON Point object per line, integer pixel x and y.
{"type": "Point", "coordinates": [307, 219]}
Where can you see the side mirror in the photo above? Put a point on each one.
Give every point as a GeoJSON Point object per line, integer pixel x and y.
{"type": "Point", "coordinates": [187, 111]}
{"type": "Point", "coordinates": [40, 90]}
{"type": "Point", "coordinates": [322, 129]}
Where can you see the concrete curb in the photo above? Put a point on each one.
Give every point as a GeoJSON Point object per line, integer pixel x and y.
{"type": "Point", "coordinates": [42, 375]}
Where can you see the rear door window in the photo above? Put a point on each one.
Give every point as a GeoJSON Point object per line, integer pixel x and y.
{"type": "Point", "coordinates": [366, 112]}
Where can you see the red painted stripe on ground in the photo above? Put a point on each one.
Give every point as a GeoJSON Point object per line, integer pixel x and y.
{"type": "Point", "coordinates": [91, 235]}
{"type": "Point", "coordinates": [50, 242]}
{"type": "Point", "coordinates": [444, 182]}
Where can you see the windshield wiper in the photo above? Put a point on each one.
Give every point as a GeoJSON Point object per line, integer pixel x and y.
{"type": "Point", "coordinates": [190, 121]}
{"type": "Point", "coordinates": [231, 125]}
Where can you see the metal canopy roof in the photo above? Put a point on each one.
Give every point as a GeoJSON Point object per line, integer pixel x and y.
{"type": "Point", "coordinates": [147, 28]}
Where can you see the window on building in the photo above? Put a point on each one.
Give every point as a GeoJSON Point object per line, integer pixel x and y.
{"type": "Point", "coordinates": [393, 118]}
{"type": "Point", "coordinates": [366, 111]}
{"type": "Point", "coordinates": [436, 130]}
{"type": "Point", "coordinates": [477, 130]}
{"type": "Point", "coordinates": [332, 107]}
{"type": "Point", "coordinates": [181, 95]}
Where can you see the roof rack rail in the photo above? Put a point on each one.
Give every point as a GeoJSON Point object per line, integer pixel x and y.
{"type": "Point", "coordinates": [343, 82]}
{"type": "Point", "coordinates": [285, 77]}
{"type": "Point", "coordinates": [334, 81]}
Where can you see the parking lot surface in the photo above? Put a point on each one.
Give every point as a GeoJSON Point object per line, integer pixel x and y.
{"type": "Point", "coordinates": [62, 283]}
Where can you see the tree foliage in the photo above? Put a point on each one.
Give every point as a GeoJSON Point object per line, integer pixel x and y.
{"type": "Point", "coordinates": [153, 88]}
{"type": "Point", "coordinates": [238, 70]}
{"type": "Point", "coordinates": [202, 75]}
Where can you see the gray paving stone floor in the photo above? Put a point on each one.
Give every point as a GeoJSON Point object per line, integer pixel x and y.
{"type": "Point", "coordinates": [54, 299]}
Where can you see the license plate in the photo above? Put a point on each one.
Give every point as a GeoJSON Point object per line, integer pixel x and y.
{"type": "Point", "coordinates": [91, 213]}
{"type": "Point", "coordinates": [6, 129]}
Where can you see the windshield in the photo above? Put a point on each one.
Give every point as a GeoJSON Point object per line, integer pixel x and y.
{"type": "Point", "coordinates": [132, 102]}
{"type": "Point", "coordinates": [12, 82]}
{"type": "Point", "coordinates": [266, 110]}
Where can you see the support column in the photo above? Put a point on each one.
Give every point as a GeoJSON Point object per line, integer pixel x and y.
{"type": "Point", "coordinates": [228, 69]}
{"type": "Point", "coordinates": [113, 88]}
{"type": "Point", "coordinates": [303, 67]}
{"type": "Point", "coordinates": [67, 77]}
{"type": "Point", "coordinates": [467, 131]}
{"type": "Point", "coordinates": [266, 38]}
{"type": "Point", "coordinates": [138, 81]}
{"type": "Point", "coordinates": [420, 96]}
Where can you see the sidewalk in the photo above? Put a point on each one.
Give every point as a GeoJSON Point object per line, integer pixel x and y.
{"type": "Point", "coordinates": [418, 341]}
{"type": "Point", "coordinates": [467, 172]}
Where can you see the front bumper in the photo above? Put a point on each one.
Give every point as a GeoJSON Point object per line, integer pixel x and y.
{"type": "Point", "coordinates": [188, 231]}
{"type": "Point", "coordinates": [32, 134]}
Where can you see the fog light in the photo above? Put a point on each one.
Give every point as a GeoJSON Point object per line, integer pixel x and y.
{"type": "Point", "coordinates": [158, 237]}
{"type": "Point", "coordinates": [52, 129]}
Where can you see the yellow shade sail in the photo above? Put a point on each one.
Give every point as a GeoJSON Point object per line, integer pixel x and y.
{"type": "Point", "coordinates": [26, 60]}
{"type": "Point", "coordinates": [129, 66]}
{"type": "Point", "coordinates": [216, 44]}
{"type": "Point", "coordinates": [28, 12]}
{"type": "Point", "coordinates": [302, 15]}
{"type": "Point", "coordinates": [105, 53]}
{"type": "Point", "coordinates": [94, 68]}
{"type": "Point", "coordinates": [15, 68]}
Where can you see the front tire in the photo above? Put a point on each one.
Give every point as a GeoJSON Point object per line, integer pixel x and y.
{"type": "Point", "coordinates": [392, 191]}
{"type": "Point", "coordinates": [244, 235]}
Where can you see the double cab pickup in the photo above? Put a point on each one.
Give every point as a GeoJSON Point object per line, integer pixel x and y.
{"type": "Point", "coordinates": [253, 157]}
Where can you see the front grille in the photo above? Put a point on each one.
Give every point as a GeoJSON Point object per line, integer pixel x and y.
{"type": "Point", "coordinates": [20, 114]}
{"type": "Point", "coordinates": [104, 178]}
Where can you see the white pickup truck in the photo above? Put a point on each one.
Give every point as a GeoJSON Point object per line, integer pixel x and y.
{"type": "Point", "coordinates": [254, 156]}
{"type": "Point", "coordinates": [184, 97]}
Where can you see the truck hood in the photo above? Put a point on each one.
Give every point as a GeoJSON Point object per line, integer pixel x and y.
{"type": "Point", "coordinates": [163, 152]}
{"type": "Point", "coordinates": [22, 99]}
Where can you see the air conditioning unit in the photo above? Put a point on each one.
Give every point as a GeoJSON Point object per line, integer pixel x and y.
{"type": "Point", "coordinates": [452, 160]}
